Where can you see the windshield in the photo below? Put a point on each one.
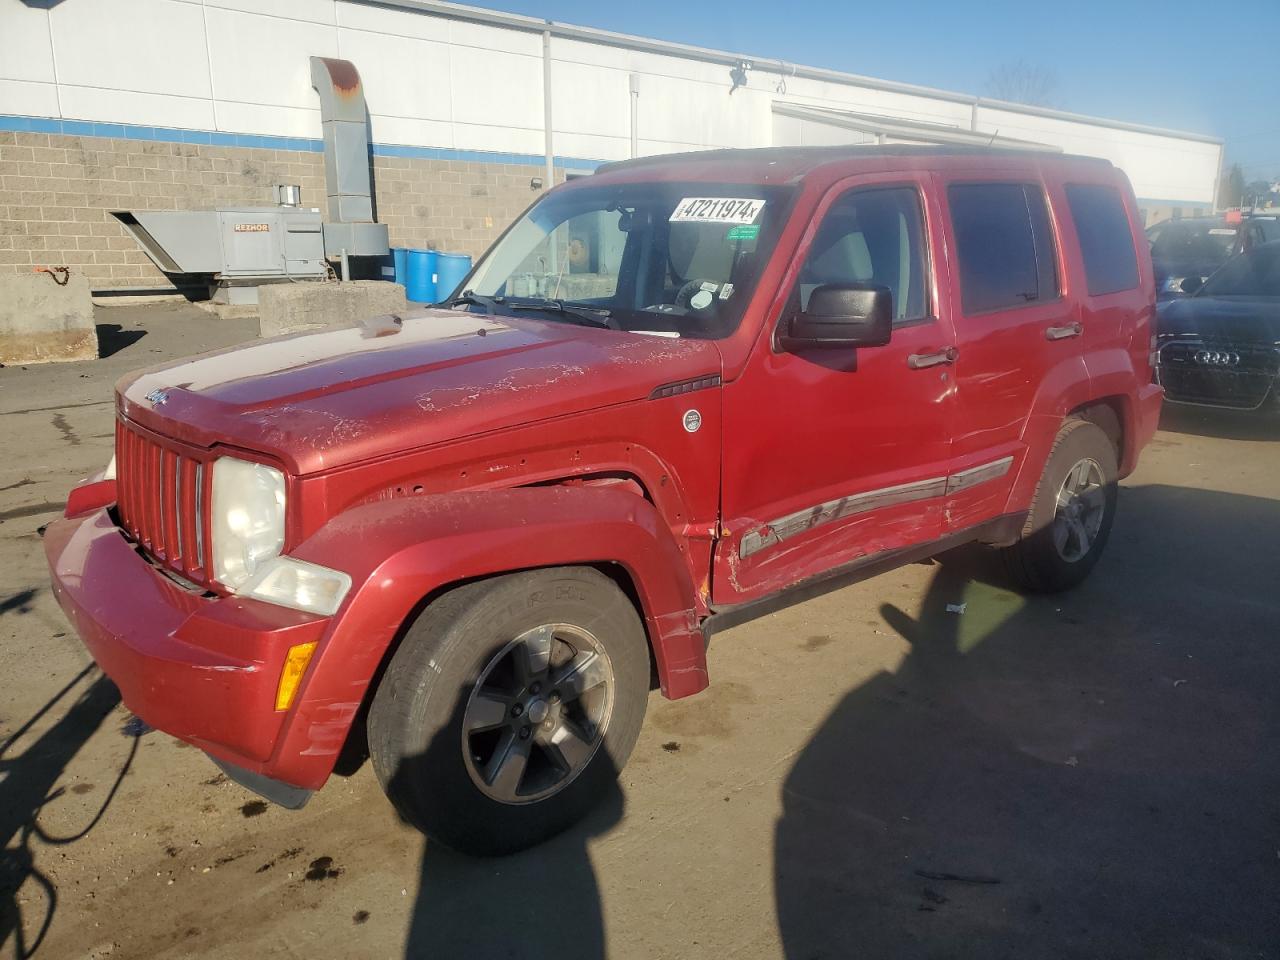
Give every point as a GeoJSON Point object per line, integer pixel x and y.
{"type": "Point", "coordinates": [1252, 274]}
{"type": "Point", "coordinates": [675, 259]}
{"type": "Point", "coordinates": [1208, 242]}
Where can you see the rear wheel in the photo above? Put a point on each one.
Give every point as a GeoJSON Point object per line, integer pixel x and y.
{"type": "Point", "coordinates": [1071, 516]}
{"type": "Point", "coordinates": [510, 707]}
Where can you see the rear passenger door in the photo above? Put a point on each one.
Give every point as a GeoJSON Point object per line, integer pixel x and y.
{"type": "Point", "coordinates": [1013, 327]}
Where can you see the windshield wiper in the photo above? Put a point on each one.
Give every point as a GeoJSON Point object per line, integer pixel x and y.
{"type": "Point", "coordinates": [490, 304]}
{"type": "Point", "coordinates": [582, 313]}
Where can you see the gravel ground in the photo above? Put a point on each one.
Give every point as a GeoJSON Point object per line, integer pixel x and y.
{"type": "Point", "coordinates": [1091, 775]}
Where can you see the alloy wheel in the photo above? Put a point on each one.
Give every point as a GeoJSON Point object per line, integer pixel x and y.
{"type": "Point", "coordinates": [1080, 509]}
{"type": "Point", "coordinates": [538, 713]}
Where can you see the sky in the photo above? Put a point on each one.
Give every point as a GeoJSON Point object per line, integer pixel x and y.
{"type": "Point", "coordinates": [1173, 64]}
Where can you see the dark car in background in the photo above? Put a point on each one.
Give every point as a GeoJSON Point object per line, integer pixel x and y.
{"type": "Point", "coordinates": [1221, 346]}
{"type": "Point", "coordinates": [1185, 252]}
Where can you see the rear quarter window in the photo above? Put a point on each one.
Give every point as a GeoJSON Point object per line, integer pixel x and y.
{"type": "Point", "coordinates": [1106, 242]}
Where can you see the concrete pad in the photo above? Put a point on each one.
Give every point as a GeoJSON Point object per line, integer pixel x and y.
{"type": "Point", "coordinates": [295, 307]}
{"type": "Point", "coordinates": [42, 321]}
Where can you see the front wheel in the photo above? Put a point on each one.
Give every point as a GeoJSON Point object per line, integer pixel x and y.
{"type": "Point", "coordinates": [510, 707]}
{"type": "Point", "coordinates": [1071, 516]}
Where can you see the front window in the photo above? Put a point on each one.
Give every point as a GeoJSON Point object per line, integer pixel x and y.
{"type": "Point", "coordinates": [674, 259]}
{"type": "Point", "coordinates": [1204, 242]}
{"type": "Point", "coordinates": [1252, 274]}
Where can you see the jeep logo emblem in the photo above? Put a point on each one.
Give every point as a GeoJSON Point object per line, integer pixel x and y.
{"type": "Point", "coordinates": [692, 421]}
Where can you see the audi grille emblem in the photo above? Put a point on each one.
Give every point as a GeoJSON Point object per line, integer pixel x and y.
{"type": "Point", "coordinates": [1217, 358]}
{"type": "Point", "coordinates": [158, 396]}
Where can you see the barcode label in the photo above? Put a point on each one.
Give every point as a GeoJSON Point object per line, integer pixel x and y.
{"type": "Point", "coordinates": [717, 210]}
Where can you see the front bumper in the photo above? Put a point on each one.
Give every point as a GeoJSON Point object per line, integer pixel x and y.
{"type": "Point", "coordinates": [204, 669]}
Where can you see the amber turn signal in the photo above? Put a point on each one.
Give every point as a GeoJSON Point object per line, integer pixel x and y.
{"type": "Point", "coordinates": [295, 665]}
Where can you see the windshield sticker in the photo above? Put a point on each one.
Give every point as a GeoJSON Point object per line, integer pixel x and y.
{"type": "Point", "coordinates": [701, 300]}
{"type": "Point", "coordinates": [726, 291]}
{"type": "Point", "coordinates": [743, 232]}
{"type": "Point", "coordinates": [716, 210]}
{"type": "Point", "coordinates": [1221, 232]}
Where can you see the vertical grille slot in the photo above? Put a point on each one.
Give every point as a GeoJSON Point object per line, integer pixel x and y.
{"type": "Point", "coordinates": [161, 492]}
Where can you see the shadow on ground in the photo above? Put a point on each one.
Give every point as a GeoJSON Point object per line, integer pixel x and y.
{"type": "Point", "coordinates": [541, 903]}
{"type": "Point", "coordinates": [112, 338]}
{"type": "Point", "coordinates": [28, 782]}
{"type": "Point", "coordinates": [1092, 774]}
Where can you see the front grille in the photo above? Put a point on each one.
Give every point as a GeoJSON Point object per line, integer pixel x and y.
{"type": "Point", "coordinates": [1188, 373]}
{"type": "Point", "coordinates": [163, 497]}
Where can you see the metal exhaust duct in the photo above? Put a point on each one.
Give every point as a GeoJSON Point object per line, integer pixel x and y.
{"type": "Point", "coordinates": [346, 140]}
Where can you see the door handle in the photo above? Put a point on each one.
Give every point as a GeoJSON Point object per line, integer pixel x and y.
{"type": "Point", "coordinates": [918, 361]}
{"type": "Point", "coordinates": [1066, 332]}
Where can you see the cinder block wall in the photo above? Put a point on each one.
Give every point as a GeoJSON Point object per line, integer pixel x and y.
{"type": "Point", "coordinates": [56, 191]}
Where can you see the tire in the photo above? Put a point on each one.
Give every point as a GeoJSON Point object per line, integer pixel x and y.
{"type": "Point", "coordinates": [485, 799]}
{"type": "Point", "coordinates": [1044, 560]}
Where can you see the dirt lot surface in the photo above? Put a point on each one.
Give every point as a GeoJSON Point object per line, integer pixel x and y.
{"type": "Point", "coordinates": [1090, 775]}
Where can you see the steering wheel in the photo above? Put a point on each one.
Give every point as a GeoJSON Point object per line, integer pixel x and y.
{"type": "Point", "coordinates": [690, 295]}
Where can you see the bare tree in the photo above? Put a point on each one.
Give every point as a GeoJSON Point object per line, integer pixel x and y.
{"type": "Point", "coordinates": [1022, 82]}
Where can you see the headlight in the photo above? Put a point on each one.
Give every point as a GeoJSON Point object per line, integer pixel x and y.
{"type": "Point", "coordinates": [298, 584]}
{"type": "Point", "coordinates": [248, 519]}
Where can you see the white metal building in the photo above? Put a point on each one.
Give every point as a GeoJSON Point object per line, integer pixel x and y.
{"type": "Point", "coordinates": [455, 83]}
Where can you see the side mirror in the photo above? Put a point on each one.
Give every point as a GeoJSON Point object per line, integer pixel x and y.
{"type": "Point", "coordinates": [1191, 284]}
{"type": "Point", "coordinates": [841, 315]}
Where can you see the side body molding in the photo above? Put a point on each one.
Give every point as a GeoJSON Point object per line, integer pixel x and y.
{"type": "Point", "coordinates": [399, 551]}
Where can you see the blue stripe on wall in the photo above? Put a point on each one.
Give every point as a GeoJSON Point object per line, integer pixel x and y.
{"type": "Point", "coordinates": [128, 131]}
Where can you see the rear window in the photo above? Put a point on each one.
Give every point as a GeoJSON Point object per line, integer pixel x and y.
{"type": "Point", "coordinates": [1106, 243]}
{"type": "Point", "coordinates": [1004, 244]}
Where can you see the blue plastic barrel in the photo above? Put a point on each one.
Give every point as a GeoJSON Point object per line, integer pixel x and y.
{"type": "Point", "coordinates": [420, 270]}
{"type": "Point", "coordinates": [451, 269]}
{"type": "Point", "coordinates": [400, 256]}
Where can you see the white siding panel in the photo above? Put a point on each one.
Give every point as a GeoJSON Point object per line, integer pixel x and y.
{"type": "Point", "coordinates": [1160, 167]}
{"type": "Point", "coordinates": [129, 106]}
{"type": "Point", "coordinates": [313, 11]}
{"type": "Point", "coordinates": [396, 23]}
{"type": "Point", "coordinates": [409, 132]}
{"type": "Point", "coordinates": [588, 147]}
{"type": "Point", "coordinates": [25, 51]}
{"type": "Point", "coordinates": [496, 89]}
{"type": "Point", "coordinates": [483, 38]}
{"type": "Point", "coordinates": [150, 46]}
{"type": "Point", "coordinates": [269, 121]}
{"type": "Point", "coordinates": [401, 77]}
{"type": "Point", "coordinates": [590, 100]}
{"type": "Point", "coordinates": [501, 139]}
{"type": "Point", "coordinates": [703, 114]}
{"type": "Point", "coordinates": [266, 60]}
{"type": "Point", "coordinates": [28, 99]}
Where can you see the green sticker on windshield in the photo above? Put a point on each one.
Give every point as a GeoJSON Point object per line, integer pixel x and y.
{"type": "Point", "coordinates": [744, 231]}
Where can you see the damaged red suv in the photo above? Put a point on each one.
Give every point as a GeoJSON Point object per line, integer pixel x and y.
{"type": "Point", "coordinates": [670, 395]}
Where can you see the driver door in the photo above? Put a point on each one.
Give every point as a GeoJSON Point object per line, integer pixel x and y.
{"type": "Point", "coordinates": [836, 454]}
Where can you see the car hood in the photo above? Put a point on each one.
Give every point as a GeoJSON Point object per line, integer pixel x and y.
{"type": "Point", "coordinates": [327, 399]}
{"type": "Point", "coordinates": [1238, 320]}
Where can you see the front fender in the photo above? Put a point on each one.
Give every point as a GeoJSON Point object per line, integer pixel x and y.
{"type": "Point", "coordinates": [400, 551]}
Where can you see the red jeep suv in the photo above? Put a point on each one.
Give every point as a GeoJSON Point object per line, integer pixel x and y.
{"type": "Point", "coordinates": [669, 394]}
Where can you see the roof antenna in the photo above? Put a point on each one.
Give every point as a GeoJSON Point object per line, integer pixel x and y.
{"type": "Point", "coordinates": [993, 137]}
